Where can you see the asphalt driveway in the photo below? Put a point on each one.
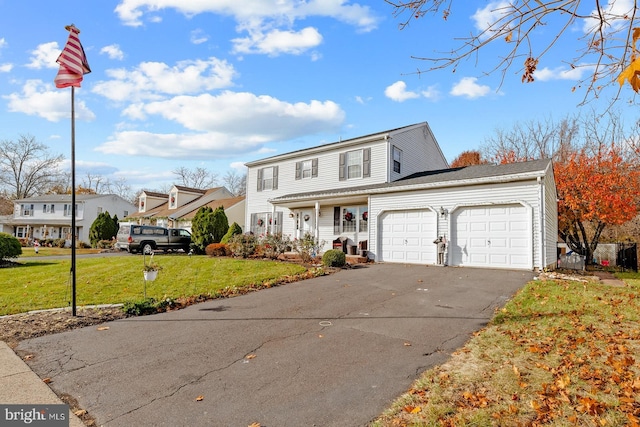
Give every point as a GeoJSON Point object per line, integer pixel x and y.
{"type": "Point", "coordinates": [330, 351]}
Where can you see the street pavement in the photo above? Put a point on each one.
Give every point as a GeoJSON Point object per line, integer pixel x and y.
{"type": "Point", "coordinates": [330, 351]}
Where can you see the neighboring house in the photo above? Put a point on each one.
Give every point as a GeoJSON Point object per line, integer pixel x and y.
{"type": "Point", "coordinates": [392, 194]}
{"type": "Point", "coordinates": [177, 209]}
{"type": "Point", "coordinates": [49, 216]}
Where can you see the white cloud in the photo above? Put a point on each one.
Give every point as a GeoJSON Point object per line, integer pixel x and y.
{"type": "Point", "coordinates": [132, 11]}
{"type": "Point", "coordinates": [199, 36]}
{"type": "Point", "coordinates": [5, 68]}
{"type": "Point", "coordinates": [238, 166]}
{"type": "Point", "coordinates": [113, 51]}
{"type": "Point", "coordinates": [152, 80]}
{"type": "Point", "coordinates": [469, 88]}
{"type": "Point", "coordinates": [616, 13]}
{"type": "Point", "coordinates": [493, 12]}
{"type": "Point", "coordinates": [245, 112]}
{"type": "Point", "coordinates": [398, 92]}
{"type": "Point", "coordinates": [242, 122]}
{"type": "Point", "coordinates": [45, 56]}
{"type": "Point", "coordinates": [276, 42]}
{"type": "Point", "coordinates": [562, 73]}
{"type": "Point", "coordinates": [38, 99]}
{"type": "Point", "coordinates": [3, 42]}
{"type": "Point", "coordinates": [431, 93]}
{"type": "Point", "coordinates": [269, 23]}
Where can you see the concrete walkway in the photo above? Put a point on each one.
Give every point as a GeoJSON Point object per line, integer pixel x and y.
{"type": "Point", "coordinates": [20, 385]}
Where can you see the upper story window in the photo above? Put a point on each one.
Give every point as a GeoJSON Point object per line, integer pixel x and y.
{"type": "Point", "coordinates": [307, 169]}
{"type": "Point", "coordinates": [355, 164]}
{"type": "Point", "coordinates": [397, 159]}
{"type": "Point", "coordinates": [26, 210]}
{"type": "Point", "coordinates": [67, 210]}
{"type": "Point", "coordinates": [48, 208]}
{"type": "Point", "coordinates": [268, 178]}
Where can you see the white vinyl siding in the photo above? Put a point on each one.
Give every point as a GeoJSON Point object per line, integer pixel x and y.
{"type": "Point", "coordinates": [420, 152]}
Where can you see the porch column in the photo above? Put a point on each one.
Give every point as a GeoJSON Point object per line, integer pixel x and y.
{"type": "Point", "coordinates": [273, 219]}
{"type": "Point", "coordinates": [317, 226]}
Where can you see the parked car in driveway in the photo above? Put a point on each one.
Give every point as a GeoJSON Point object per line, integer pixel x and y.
{"type": "Point", "coordinates": [147, 238]}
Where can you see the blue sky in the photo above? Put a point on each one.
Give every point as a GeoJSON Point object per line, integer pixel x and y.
{"type": "Point", "coordinates": [217, 83]}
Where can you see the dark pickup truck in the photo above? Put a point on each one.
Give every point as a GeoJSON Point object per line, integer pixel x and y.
{"type": "Point", "coordinates": [147, 238]}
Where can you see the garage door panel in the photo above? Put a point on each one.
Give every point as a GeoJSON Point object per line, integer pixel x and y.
{"type": "Point", "coordinates": [407, 236]}
{"type": "Point", "coordinates": [491, 236]}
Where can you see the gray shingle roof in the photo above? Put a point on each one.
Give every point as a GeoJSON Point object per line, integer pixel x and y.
{"type": "Point", "coordinates": [439, 178]}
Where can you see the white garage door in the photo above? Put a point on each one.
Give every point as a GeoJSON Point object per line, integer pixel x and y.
{"type": "Point", "coordinates": [491, 236]}
{"type": "Point", "coordinates": [407, 236]}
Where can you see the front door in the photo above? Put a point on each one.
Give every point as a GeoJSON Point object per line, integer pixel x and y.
{"type": "Point", "coordinates": [307, 223]}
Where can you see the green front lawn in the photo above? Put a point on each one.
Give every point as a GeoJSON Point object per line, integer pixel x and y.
{"type": "Point", "coordinates": [46, 283]}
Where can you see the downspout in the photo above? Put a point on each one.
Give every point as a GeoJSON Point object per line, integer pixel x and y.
{"type": "Point", "coordinates": [543, 249]}
{"type": "Point", "coordinates": [386, 146]}
{"type": "Point", "coordinates": [316, 230]}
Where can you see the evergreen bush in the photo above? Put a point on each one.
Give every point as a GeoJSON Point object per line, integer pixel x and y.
{"type": "Point", "coordinates": [334, 258]}
{"type": "Point", "coordinates": [9, 247]}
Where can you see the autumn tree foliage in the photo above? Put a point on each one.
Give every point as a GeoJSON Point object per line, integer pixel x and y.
{"type": "Point", "coordinates": [596, 169]}
{"type": "Point", "coordinates": [524, 32]}
{"type": "Point", "coordinates": [595, 190]}
{"type": "Point", "coordinates": [468, 158]}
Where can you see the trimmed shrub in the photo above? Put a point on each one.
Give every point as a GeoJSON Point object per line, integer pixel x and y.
{"type": "Point", "coordinates": [334, 258]}
{"type": "Point", "coordinates": [217, 249]}
{"type": "Point", "coordinates": [243, 245]}
{"type": "Point", "coordinates": [233, 230]}
{"type": "Point", "coordinates": [9, 246]}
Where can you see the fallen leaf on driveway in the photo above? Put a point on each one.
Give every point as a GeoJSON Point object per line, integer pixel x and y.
{"type": "Point", "coordinates": [28, 357]}
{"type": "Point", "coordinates": [103, 328]}
{"type": "Point", "coordinates": [254, 425]}
{"type": "Point", "coordinates": [250, 356]}
{"type": "Point", "coordinates": [320, 336]}
{"type": "Point", "coordinates": [199, 398]}
{"type": "Point", "coordinates": [47, 380]}
{"type": "Point", "coordinates": [79, 412]}
{"type": "Point", "coordinates": [407, 344]}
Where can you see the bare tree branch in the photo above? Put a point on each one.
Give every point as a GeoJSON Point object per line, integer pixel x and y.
{"type": "Point", "coordinates": [606, 43]}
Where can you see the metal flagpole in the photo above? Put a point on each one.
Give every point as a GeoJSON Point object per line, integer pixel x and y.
{"type": "Point", "coordinates": [73, 65]}
{"type": "Point", "coordinates": [73, 202]}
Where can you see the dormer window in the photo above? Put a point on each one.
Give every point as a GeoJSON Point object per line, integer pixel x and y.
{"type": "Point", "coordinates": [172, 200]}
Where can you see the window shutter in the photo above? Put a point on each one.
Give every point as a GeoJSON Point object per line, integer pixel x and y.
{"type": "Point", "coordinates": [342, 166]}
{"type": "Point", "coordinates": [298, 170]}
{"type": "Point", "coordinates": [336, 220]}
{"type": "Point", "coordinates": [259, 179]}
{"type": "Point", "coordinates": [314, 168]}
{"type": "Point", "coordinates": [366, 162]}
{"type": "Point", "coordinates": [275, 178]}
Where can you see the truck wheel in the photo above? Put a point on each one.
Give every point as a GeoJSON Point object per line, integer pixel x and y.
{"type": "Point", "coordinates": [147, 248]}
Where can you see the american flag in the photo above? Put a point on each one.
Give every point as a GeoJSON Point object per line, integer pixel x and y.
{"type": "Point", "coordinates": [72, 60]}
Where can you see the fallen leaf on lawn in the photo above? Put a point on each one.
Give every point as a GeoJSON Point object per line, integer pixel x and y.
{"type": "Point", "coordinates": [412, 409]}
{"type": "Point", "coordinates": [250, 356]}
{"type": "Point", "coordinates": [79, 412]}
{"type": "Point", "coordinates": [47, 380]}
{"type": "Point", "coordinates": [407, 344]}
{"type": "Point", "coordinates": [103, 328]}
{"type": "Point", "coordinates": [200, 398]}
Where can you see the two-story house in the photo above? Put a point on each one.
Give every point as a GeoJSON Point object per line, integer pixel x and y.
{"type": "Point", "coordinates": [178, 208]}
{"type": "Point", "coordinates": [49, 216]}
{"type": "Point", "coordinates": [392, 194]}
